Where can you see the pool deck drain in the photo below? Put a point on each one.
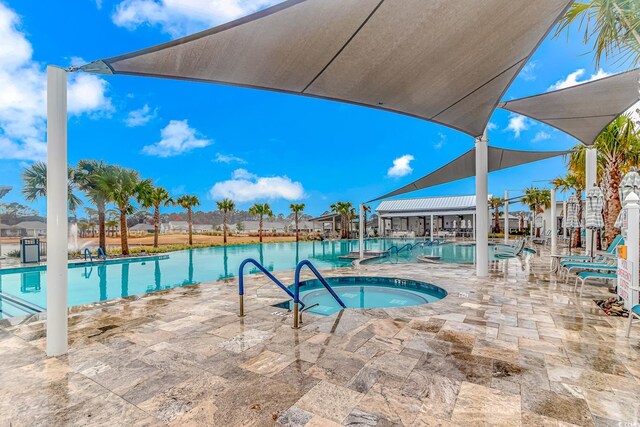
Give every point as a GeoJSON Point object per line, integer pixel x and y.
{"type": "Point", "coordinates": [517, 348]}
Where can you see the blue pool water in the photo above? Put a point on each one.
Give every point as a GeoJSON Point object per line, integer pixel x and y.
{"type": "Point", "coordinates": [100, 282]}
{"type": "Point", "coordinates": [459, 253]}
{"type": "Point", "coordinates": [366, 292]}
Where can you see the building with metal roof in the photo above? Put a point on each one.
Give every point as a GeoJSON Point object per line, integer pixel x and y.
{"type": "Point", "coordinates": [428, 216]}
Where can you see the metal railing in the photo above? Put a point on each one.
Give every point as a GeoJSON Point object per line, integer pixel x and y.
{"type": "Point", "coordinates": [266, 273]}
{"type": "Point", "coordinates": [409, 247]}
{"type": "Point", "coordinates": [296, 292]}
{"type": "Point", "coordinates": [102, 254]}
{"type": "Point", "coordinates": [87, 252]}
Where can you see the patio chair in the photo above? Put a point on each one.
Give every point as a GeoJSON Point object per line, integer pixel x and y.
{"type": "Point", "coordinates": [507, 251]}
{"type": "Point", "coordinates": [634, 312]}
{"type": "Point", "coordinates": [587, 266]}
{"type": "Point", "coordinates": [617, 241]}
{"type": "Point", "coordinates": [592, 275]}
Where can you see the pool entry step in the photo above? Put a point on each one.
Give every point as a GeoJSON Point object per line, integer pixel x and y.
{"type": "Point", "coordinates": [11, 306]}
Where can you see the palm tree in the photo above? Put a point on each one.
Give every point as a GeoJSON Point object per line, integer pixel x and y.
{"type": "Point", "coordinates": [155, 198]}
{"type": "Point", "coordinates": [227, 206]}
{"type": "Point", "coordinates": [365, 209]}
{"type": "Point", "coordinates": [34, 178]}
{"type": "Point", "coordinates": [617, 151]}
{"type": "Point", "coordinates": [615, 25]}
{"type": "Point", "coordinates": [86, 176]}
{"type": "Point", "coordinates": [495, 203]}
{"type": "Point", "coordinates": [188, 202]}
{"type": "Point", "coordinates": [121, 185]}
{"type": "Point", "coordinates": [537, 199]}
{"type": "Point", "coordinates": [260, 210]}
{"type": "Point", "coordinates": [573, 181]}
{"type": "Point", "coordinates": [344, 210]}
{"type": "Point", "coordinates": [296, 209]}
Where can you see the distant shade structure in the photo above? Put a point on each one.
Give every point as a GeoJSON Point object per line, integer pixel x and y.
{"type": "Point", "coordinates": [465, 167]}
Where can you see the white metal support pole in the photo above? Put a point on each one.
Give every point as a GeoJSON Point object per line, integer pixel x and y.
{"type": "Point", "coordinates": [633, 245]}
{"type": "Point", "coordinates": [380, 226]}
{"type": "Point", "coordinates": [564, 220]}
{"type": "Point", "coordinates": [554, 223]}
{"type": "Point", "coordinates": [506, 216]}
{"type": "Point", "coordinates": [56, 211]}
{"type": "Point", "coordinates": [590, 181]}
{"type": "Point", "coordinates": [361, 229]}
{"type": "Point", "coordinates": [431, 232]}
{"type": "Point", "coordinates": [482, 206]}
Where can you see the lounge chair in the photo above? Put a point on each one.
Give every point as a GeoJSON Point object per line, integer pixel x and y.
{"type": "Point", "coordinates": [542, 239]}
{"type": "Point", "coordinates": [634, 312]}
{"type": "Point", "coordinates": [617, 241]}
{"type": "Point", "coordinates": [508, 251]}
{"type": "Point", "coordinates": [592, 275]}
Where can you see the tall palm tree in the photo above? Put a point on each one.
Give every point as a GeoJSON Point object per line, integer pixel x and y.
{"type": "Point", "coordinates": [227, 206]}
{"type": "Point", "coordinates": [121, 185]}
{"type": "Point", "coordinates": [573, 181]}
{"type": "Point", "coordinates": [260, 210]}
{"type": "Point", "coordinates": [188, 202]}
{"type": "Point", "coordinates": [296, 209]}
{"type": "Point", "coordinates": [155, 198]}
{"type": "Point", "coordinates": [537, 199]}
{"type": "Point", "coordinates": [344, 210]}
{"type": "Point", "coordinates": [495, 203]}
{"type": "Point", "coordinates": [365, 210]}
{"type": "Point", "coordinates": [34, 178]}
{"type": "Point", "coordinates": [86, 176]}
{"type": "Point", "coordinates": [617, 149]}
{"type": "Point", "coordinates": [614, 24]}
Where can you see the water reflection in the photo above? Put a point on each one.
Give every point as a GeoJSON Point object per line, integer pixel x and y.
{"type": "Point", "coordinates": [157, 275]}
{"type": "Point", "coordinates": [124, 283]}
{"type": "Point", "coordinates": [102, 283]}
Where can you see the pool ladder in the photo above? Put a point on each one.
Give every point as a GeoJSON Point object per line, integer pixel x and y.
{"type": "Point", "coordinates": [298, 306]}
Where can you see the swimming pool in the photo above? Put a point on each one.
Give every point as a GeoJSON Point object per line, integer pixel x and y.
{"type": "Point", "coordinates": [365, 292]}
{"type": "Point", "coordinates": [458, 253]}
{"type": "Point", "coordinates": [121, 278]}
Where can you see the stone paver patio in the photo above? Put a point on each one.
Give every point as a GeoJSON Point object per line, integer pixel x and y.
{"type": "Point", "coordinates": [515, 349]}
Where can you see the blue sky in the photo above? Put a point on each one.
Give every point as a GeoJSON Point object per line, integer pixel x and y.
{"type": "Point", "coordinates": [211, 140]}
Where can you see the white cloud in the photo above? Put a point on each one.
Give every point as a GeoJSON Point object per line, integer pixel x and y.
{"type": "Point", "coordinates": [528, 71]}
{"type": "Point", "coordinates": [440, 143]}
{"type": "Point", "coordinates": [228, 158]}
{"type": "Point", "coordinates": [176, 138]}
{"type": "Point", "coordinates": [541, 136]}
{"type": "Point", "coordinates": [492, 126]}
{"type": "Point", "coordinates": [573, 79]}
{"type": "Point", "coordinates": [181, 17]}
{"type": "Point", "coordinates": [246, 187]}
{"type": "Point", "coordinates": [140, 117]}
{"type": "Point", "coordinates": [23, 94]}
{"type": "Point", "coordinates": [401, 166]}
{"type": "Point", "coordinates": [243, 174]}
{"type": "Point", "coordinates": [517, 124]}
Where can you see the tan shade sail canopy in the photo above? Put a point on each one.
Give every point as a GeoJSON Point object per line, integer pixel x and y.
{"type": "Point", "coordinates": [447, 61]}
{"type": "Point", "coordinates": [582, 111]}
{"type": "Point", "coordinates": [465, 167]}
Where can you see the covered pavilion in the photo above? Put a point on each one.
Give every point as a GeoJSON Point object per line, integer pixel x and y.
{"type": "Point", "coordinates": [449, 62]}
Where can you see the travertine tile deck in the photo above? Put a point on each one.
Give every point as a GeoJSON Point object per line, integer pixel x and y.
{"type": "Point", "coordinates": [515, 349]}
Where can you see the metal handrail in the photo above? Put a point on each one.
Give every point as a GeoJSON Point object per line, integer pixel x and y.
{"type": "Point", "coordinates": [407, 245]}
{"type": "Point", "coordinates": [266, 273]}
{"type": "Point", "coordinates": [101, 253]}
{"type": "Point", "coordinates": [88, 252]}
{"type": "Point", "coordinates": [296, 292]}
